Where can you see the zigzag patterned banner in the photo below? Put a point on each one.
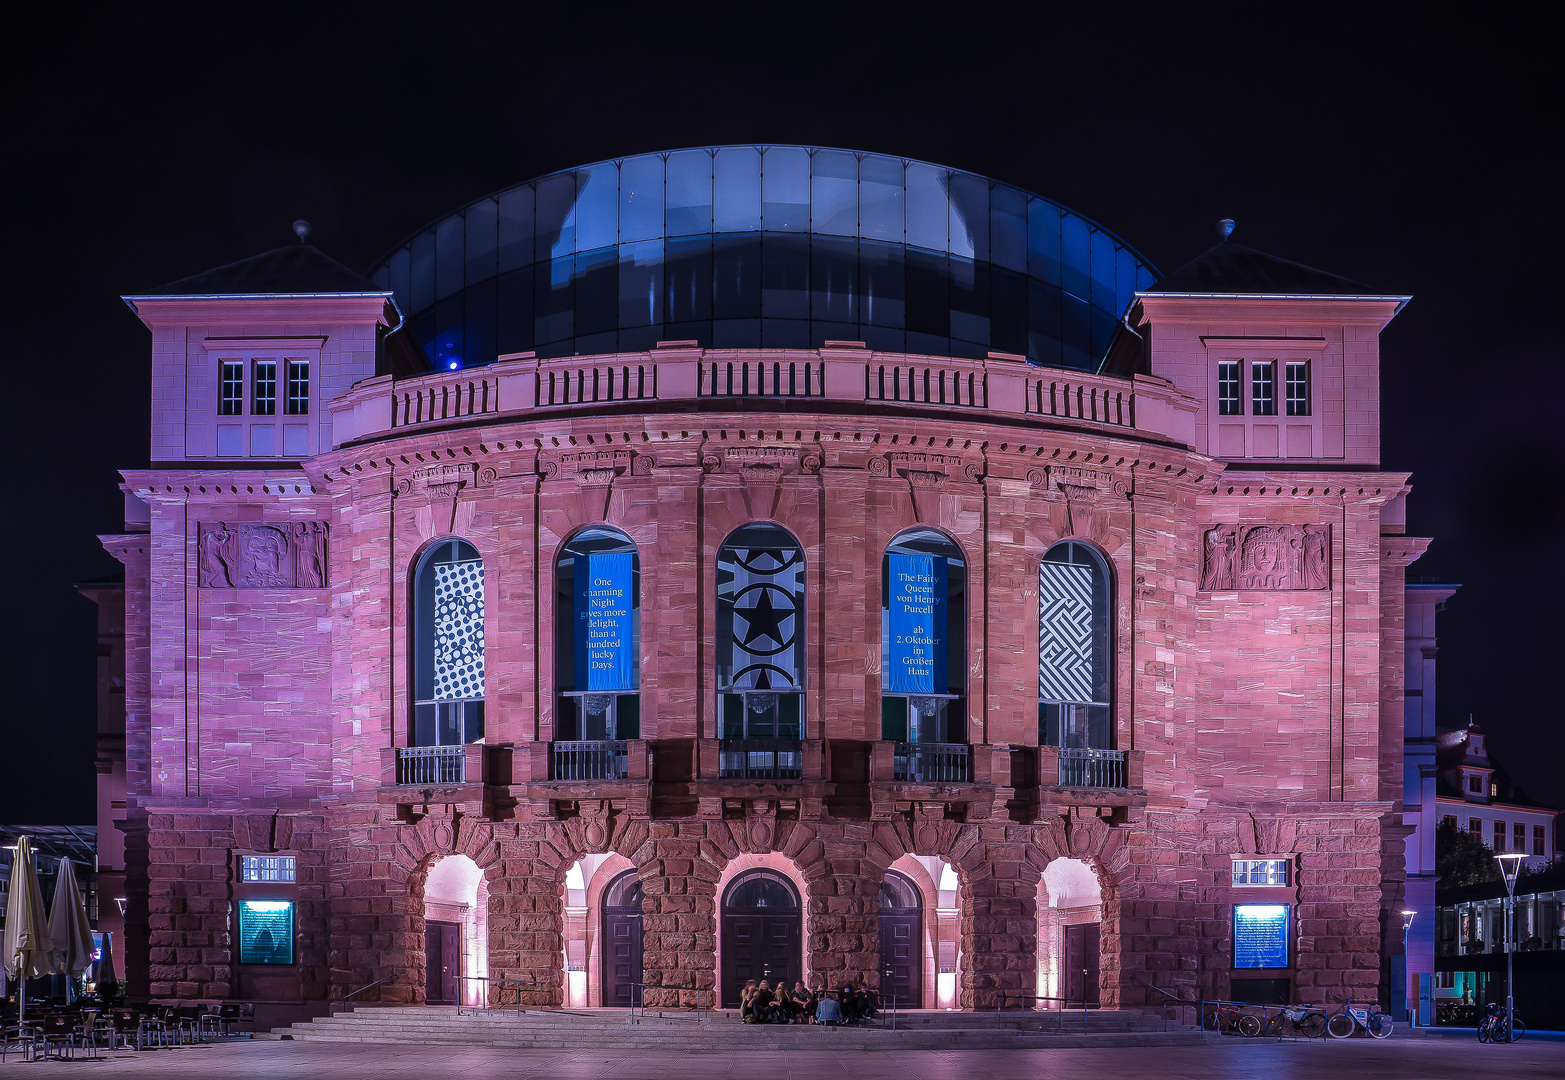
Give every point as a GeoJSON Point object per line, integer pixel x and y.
{"type": "Point", "coordinates": [1065, 633]}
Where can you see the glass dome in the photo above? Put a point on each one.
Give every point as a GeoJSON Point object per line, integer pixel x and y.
{"type": "Point", "coordinates": [764, 247]}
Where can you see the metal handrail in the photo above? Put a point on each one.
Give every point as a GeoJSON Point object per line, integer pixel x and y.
{"type": "Point", "coordinates": [1175, 998]}
{"type": "Point", "coordinates": [1086, 1007]}
{"type": "Point", "coordinates": [638, 1003]}
{"type": "Point", "coordinates": [761, 758]}
{"type": "Point", "coordinates": [531, 982]}
{"type": "Point", "coordinates": [1083, 767]}
{"type": "Point", "coordinates": [446, 764]}
{"type": "Point", "coordinates": [590, 759]}
{"type": "Point", "coordinates": [931, 762]}
{"type": "Point", "coordinates": [367, 986]}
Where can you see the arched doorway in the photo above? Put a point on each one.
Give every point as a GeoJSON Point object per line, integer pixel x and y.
{"type": "Point", "coordinates": [456, 932]}
{"type": "Point", "coordinates": [901, 942]}
{"type": "Point", "coordinates": [1070, 910]}
{"type": "Point", "coordinates": [621, 939]}
{"type": "Point", "coordinates": [762, 932]}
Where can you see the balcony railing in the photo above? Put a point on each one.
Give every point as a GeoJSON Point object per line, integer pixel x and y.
{"type": "Point", "coordinates": [761, 759]}
{"type": "Point", "coordinates": [1092, 768]}
{"type": "Point", "coordinates": [927, 762]}
{"type": "Point", "coordinates": [430, 765]}
{"type": "Point", "coordinates": [591, 759]}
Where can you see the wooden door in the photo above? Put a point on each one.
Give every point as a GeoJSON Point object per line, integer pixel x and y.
{"type": "Point", "coordinates": [442, 962]}
{"type": "Point", "coordinates": [621, 955]}
{"type": "Point", "coordinates": [1081, 965]}
{"type": "Point", "coordinates": [901, 954]}
{"type": "Point", "coordinates": [759, 947]}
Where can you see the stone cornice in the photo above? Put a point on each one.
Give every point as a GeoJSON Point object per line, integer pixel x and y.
{"type": "Point", "coordinates": [1403, 550]}
{"type": "Point", "coordinates": [183, 485]}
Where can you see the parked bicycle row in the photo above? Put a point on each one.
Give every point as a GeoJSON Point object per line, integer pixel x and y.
{"type": "Point", "coordinates": [1293, 1021]}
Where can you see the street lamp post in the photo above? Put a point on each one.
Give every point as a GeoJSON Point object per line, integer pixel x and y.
{"type": "Point", "coordinates": [1510, 865]}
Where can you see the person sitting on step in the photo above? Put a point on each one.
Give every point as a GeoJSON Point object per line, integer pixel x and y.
{"type": "Point", "coordinates": [829, 1010]}
{"type": "Point", "coordinates": [804, 1003]}
{"type": "Point", "coordinates": [747, 1002]}
{"type": "Point", "coordinates": [763, 1002]}
{"type": "Point", "coordinates": [848, 999]}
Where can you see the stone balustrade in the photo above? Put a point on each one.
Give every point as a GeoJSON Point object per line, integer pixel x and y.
{"type": "Point", "coordinates": [524, 387]}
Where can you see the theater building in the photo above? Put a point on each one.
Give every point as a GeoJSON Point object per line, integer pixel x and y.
{"type": "Point", "coordinates": [763, 561]}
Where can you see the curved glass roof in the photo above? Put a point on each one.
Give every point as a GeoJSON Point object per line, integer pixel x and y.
{"type": "Point", "coordinates": [764, 246]}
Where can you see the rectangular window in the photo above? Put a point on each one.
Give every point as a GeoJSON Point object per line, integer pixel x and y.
{"type": "Point", "coordinates": [1298, 387]}
{"type": "Point", "coordinates": [1537, 840]}
{"type": "Point", "coordinates": [1475, 784]}
{"type": "Point", "coordinates": [1475, 826]}
{"type": "Point", "coordinates": [1261, 935]}
{"type": "Point", "coordinates": [1229, 402]}
{"type": "Point", "coordinates": [263, 399]}
{"type": "Point", "coordinates": [1263, 388]}
{"type": "Point", "coordinates": [266, 868]}
{"type": "Point", "coordinates": [298, 388]}
{"type": "Point", "coordinates": [1450, 819]}
{"type": "Point", "coordinates": [1260, 872]}
{"type": "Point", "coordinates": [265, 931]}
{"type": "Point", "coordinates": [1499, 837]}
{"type": "Point", "coordinates": [231, 389]}
{"type": "Point", "coordinates": [1519, 837]}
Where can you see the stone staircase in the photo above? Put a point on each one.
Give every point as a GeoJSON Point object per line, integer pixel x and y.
{"type": "Point", "coordinates": [721, 1031]}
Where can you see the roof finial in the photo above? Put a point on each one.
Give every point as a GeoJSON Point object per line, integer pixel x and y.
{"type": "Point", "coordinates": [1225, 229]}
{"type": "Point", "coordinates": [301, 229]}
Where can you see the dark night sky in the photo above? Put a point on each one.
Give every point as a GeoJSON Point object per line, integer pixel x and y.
{"type": "Point", "coordinates": [1408, 151]}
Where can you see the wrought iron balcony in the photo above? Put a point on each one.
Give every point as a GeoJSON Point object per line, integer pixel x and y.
{"type": "Point", "coordinates": [931, 762]}
{"type": "Point", "coordinates": [1092, 768]}
{"type": "Point", "coordinates": [761, 759]}
{"type": "Point", "coordinates": [590, 759]}
{"type": "Point", "coordinates": [431, 765]}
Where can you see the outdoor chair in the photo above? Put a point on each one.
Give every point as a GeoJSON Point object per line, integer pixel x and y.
{"type": "Point", "coordinates": [227, 1017]}
{"type": "Point", "coordinates": [125, 1029]}
{"type": "Point", "coordinates": [59, 1031]}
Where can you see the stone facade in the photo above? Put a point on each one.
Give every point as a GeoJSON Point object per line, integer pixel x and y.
{"type": "Point", "coordinates": [1255, 625]}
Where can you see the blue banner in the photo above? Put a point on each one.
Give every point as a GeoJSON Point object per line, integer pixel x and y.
{"type": "Point", "coordinates": [604, 658]}
{"type": "Point", "coordinates": [916, 651]}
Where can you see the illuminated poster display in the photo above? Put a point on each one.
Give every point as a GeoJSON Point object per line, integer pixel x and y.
{"type": "Point", "coordinates": [603, 632]}
{"type": "Point", "coordinates": [916, 651]}
{"type": "Point", "coordinates": [1260, 935]}
{"type": "Point", "coordinates": [265, 931]}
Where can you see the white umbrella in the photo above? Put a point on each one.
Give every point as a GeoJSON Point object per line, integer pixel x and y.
{"type": "Point", "coordinates": [28, 949]}
{"type": "Point", "coordinates": [69, 931]}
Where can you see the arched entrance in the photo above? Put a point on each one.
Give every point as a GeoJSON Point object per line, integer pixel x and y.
{"type": "Point", "coordinates": [621, 939]}
{"type": "Point", "coordinates": [456, 932]}
{"type": "Point", "coordinates": [1070, 910]}
{"type": "Point", "coordinates": [901, 942]}
{"type": "Point", "coordinates": [762, 932]}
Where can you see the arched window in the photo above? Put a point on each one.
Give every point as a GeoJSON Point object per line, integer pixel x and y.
{"type": "Point", "coordinates": [760, 634]}
{"type": "Point", "coordinates": [923, 630]}
{"type": "Point", "coordinates": [597, 635]}
{"type": "Point", "coordinates": [1075, 660]}
{"type": "Point", "coordinates": [448, 646]}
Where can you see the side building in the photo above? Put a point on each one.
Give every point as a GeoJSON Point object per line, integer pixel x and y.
{"type": "Point", "coordinates": [750, 561]}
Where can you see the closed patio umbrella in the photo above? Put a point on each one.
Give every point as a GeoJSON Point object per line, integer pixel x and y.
{"type": "Point", "coordinates": [69, 931]}
{"type": "Point", "coordinates": [28, 949]}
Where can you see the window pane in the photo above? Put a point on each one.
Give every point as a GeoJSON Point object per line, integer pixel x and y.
{"type": "Point", "coordinates": [687, 275]}
{"type": "Point", "coordinates": [880, 198]}
{"type": "Point", "coordinates": [516, 228]}
{"type": "Point", "coordinates": [785, 277]}
{"type": "Point", "coordinates": [1008, 228]}
{"type": "Point", "coordinates": [597, 207]}
{"type": "Point", "coordinates": [969, 227]}
{"type": "Point", "coordinates": [737, 191]}
{"type": "Point", "coordinates": [450, 257]}
{"type": "Point", "coordinates": [1075, 256]}
{"type": "Point", "coordinates": [597, 291]}
{"type": "Point", "coordinates": [298, 387]}
{"type": "Point", "coordinates": [834, 192]}
{"type": "Point", "coordinates": [641, 198]}
{"type": "Point", "coordinates": [555, 226]}
{"type": "Point", "coordinates": [928, 207]}
{"type": "Point", "coordinates": [736, 279]}
{"type": "Point", "coordinates": [1043, 240]}
{"type": "Point", "coordinates": [1263, 390]}
{"type": "Point", "coordinates": [482, 221]}
{"type": "Point", "coordinates": [833, 274]}
{"type": "Point", "coordinates": [423, 270]}
{"type": "Point", "coordinates": [231, 389]}
{"type": "Point", "coordinates": [785, 189]}
{"type": "Point", "coordinates": [263, 397]}
{"type": "Point", "coordinates": [689, 208]}
{"type": "Point", "coordinates": [641, 282]}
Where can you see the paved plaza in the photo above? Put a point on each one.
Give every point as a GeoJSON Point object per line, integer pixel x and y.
{"type": "Point", "coordinates": [1357, 1059]}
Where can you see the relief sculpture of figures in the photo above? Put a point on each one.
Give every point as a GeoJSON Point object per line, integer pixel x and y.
{"type": "Point", "coordinates": [255, 555]}
{"type": "Point", "coordinates": [1218, 573]}
{"type": "Point", "coordinates": [1266, 558]}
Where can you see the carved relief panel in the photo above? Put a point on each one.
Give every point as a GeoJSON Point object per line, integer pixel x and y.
{"type": "Point", "coordinates": [258, 555]}
{"type": "Point", "coordinates": [1266, 558]}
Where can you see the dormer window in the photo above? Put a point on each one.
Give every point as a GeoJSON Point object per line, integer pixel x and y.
{"type": "Point", "coordinates": [1229, 403]}
{"type": "Point", "coordinates": [298, 387]}
{"type": "Point", "coordinates": [1298, 387]}
{"type": "Point", "coordinates": [1475, 784]}
{"type": "Point", "coordinates": [1494, 791]}
{"type": "Point", "coordinates": [231, 388]}
{"type": "Point", "coordinates": [263, 399]}
{"type": "Point", "coordinates": [1263, 388]}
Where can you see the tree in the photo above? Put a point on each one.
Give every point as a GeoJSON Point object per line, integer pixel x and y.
{"type": "Point", "coordinates": [1462, 859]}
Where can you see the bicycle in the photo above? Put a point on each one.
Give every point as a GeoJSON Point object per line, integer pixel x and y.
{"type": "Point", "coordinates": [1343, 1024]}
{"type": "Point", "coordinates": [1230, 1020]}
{"type": "Point", "coordinates": [1495, 1028]}
{"type": "Point", "coordinates": [1302, 1018]}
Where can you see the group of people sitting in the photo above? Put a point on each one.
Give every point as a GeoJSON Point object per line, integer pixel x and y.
{"type": "Point", "coordinates": [759, 1003]}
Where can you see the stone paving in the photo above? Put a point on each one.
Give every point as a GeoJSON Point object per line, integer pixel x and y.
{"type": "Point", "coordinates": [1357, 1059]}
